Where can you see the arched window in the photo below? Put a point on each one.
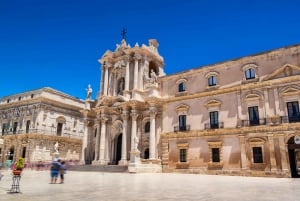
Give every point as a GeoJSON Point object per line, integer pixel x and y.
{"type": "Point", "coordinates": [250, 73]}
{"type": "Point", "coordinates": [147, 127]}
{"type": "Point", "coordinates": [181, 87]}
{"type": "Point", "coordinates": [212, 80]}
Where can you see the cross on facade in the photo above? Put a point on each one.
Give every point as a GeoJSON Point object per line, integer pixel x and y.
{"type": "Point", "coordinates": [123, 33]}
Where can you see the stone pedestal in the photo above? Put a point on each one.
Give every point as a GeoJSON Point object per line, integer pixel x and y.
{"type": "Point", "coordinates": [55, 155]}
{"type": "Point", "coordinates": [135, 161]}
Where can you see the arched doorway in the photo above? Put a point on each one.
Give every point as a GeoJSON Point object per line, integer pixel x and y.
{"type": "Point", "coordinates": [118, 148]}
{"type": "Point", "coordinates": [294, 157]}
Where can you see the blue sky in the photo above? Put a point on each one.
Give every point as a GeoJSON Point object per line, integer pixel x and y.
{"type": "Point", "coordinates": [57, 43]}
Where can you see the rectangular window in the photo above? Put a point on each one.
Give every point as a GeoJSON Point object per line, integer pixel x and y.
{"type": "Point", "coordinates": [24, 152]}
{"type": "Point", "coordinates": [182, 122]}
{"type": "Point", "coordinates": [250, 74]}
{"type": "Point", "coordinates": [253, 115]}
{"type": "Point", "coordinates": [257, 155]}
{"type": "Point", "coordinates": [293, 111]}
{"type": "Point", "coordinates": [27, 126]}
{"type": "Point", "coordinates": [182, 153]}
{"type": "Point", "coordinates": [212, 81]}
{"type": "Point", "coordinates": [59, 129]}
{"type": "Point", "coordinates": [181, 87]}
{"type": "Point", "coordinates": [3, 128]}
{"type": "Point", "coordinates": [15, 127]}
{"type": "Point", "coordinates": [215, 155]}
{"type": "Point", "coordinates": [214, 122]}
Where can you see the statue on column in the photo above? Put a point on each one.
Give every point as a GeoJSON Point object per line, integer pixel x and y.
{"type": "Point", "coordinates": [89, 91]}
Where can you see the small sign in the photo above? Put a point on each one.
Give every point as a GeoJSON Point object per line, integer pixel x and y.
{"type": "Point", "coordinates": [297, 139]}
{"type": "Point", "coordinates": [1, 141]}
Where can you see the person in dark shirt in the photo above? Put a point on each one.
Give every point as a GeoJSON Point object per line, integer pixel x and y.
{"type": "Point", "coordinates": [55, 168]}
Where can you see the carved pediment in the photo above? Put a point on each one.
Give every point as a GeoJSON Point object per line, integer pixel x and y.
{"type": "Point", "coordinates": [251, 97]}
{"type": "Point", "coordinates": [213, 103]}
{"type": "Point", "coordinates": [182, 107]}
{"type": "Point", "coordinates": [284, 71]}
{"type": "Point", "coordinates": [290, 91]}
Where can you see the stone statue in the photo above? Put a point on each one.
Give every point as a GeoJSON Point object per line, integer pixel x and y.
{"type": "Point", "coordinates": [56, 147]}
{"type": "Point", "coordinates": [89, 91]}
{"type": "Point", "coordinates": [153, 76]}
{"type": "Point", "coordinates": [136, 143]}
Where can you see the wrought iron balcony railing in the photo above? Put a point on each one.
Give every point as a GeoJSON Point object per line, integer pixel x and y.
{"type": "Point", "coordinates": [214, 126]}
{"type": "Point", "coordinates": [254, 122]}
{"type": "Point", "coordinates": [182, 128]}
{"type": "Point", "coordinates": [290, 119]}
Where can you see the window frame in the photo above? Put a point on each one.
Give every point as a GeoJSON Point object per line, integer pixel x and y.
{"type": "Point", "coordinates": [250, 73]}
{"type": "Point", "coordinates": [212, 80]}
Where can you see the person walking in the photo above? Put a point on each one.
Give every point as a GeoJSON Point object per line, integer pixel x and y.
{"type": "Point", "coordinates": [55, 168]}
{"type": "Point", "coordinates": [62, 171]}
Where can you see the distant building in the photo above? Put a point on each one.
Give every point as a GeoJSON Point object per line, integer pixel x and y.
{"type": "Point", "coordinates": [32, 122]}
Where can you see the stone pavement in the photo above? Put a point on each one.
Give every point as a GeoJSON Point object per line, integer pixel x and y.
{"type": "Point", "coordinates": [98, 186]}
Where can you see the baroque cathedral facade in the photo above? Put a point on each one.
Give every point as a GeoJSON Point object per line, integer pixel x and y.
{"type": "Point", "coordinates": [239, 117]}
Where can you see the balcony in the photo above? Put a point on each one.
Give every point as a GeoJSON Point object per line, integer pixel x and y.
{"type": "Point", "coordinates": [38, 131]}
{"type": "Point", "coordinates": [182, 128]}
{"type": "Point", "coordinates": [214, 126]}
{"type": "Point", "coordinates": [290, 119]}
{"type": "Point", "coordinates": [254, 122]}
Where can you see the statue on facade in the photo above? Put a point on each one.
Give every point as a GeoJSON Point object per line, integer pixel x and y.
{"type": "Point", "coordinates": [56, 147]}
{"type": "Point", "coordinates": [89, 91]}
{"type": "Point", "coordinates": [153, 76]}
{"type": "Point", "coordinates": [136, 143]}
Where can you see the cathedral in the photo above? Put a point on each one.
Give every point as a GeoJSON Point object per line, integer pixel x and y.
{"type": "Point", "coordinates": [238, 117]}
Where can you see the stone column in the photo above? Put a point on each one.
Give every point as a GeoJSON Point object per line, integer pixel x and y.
{"type": "Point", "coordinates": [277, 106]}
{"type": "Point", "coordinates": [97, 141]}
{"type": "Point", "coordinates": [272, 153]}
{"type": "Point", "coordinates": [152, 147]}
{"type": "Point", "coordinates": [244, 162]}
{"type": "Point", "coordinates": [127, 76]}
{"type": "Point", "coordinates": [134, 153]}
{"type": "Point", "coordinates": [84, 140]}
{"type": "Point", "coordinates": [105, 81]}
{"type": "Point", "coordinates": [123, 160]}
{"type": "Point", "coordinates": [102, 140]}
{"type": "Point", "coordinates": [283, 153]}
{"type": "Point", "coordinates": [239, 109]}
{"type": "Point", "coordinates": [136, 70]}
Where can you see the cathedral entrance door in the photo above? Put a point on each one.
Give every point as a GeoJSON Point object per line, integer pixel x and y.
{"type": "Point", "coordinates": [118, 148]}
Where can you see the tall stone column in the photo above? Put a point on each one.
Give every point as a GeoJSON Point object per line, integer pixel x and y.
{"type": "Point", "coordinates": [127, 75]}
{"type": "Point", "coordinates": [272, 153]}
{"type": "Point", "coordinates": [124, 139]}
{"type": "Point", "coordinates": [97, 141]}
{"type": "Point", "coordinates": [239, 109]}
{"type": "Point", "coordinates": [283, 153]}
{"type": "Point", "coordinates": [134, 153]}
{"type": "Point", "coordinates": [277, 106]}
{"type": "Point", "coordinates": [152, 146]}
{"type": "Point", "coordinates": [244, 162]}
{"type": "Point", "coordinates": [136, 70]}
{"type": "Point", "coordinates": [84, 140]}
{"type": "Point", "coordinates": [105, 81]}
{"type": "Point", "coordinates": [102, 140]}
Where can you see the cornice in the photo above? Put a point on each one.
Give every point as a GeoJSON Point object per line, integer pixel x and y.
{"type": "Point", "coordinates": [237, 88]}
{"type": "Point", "coordinates": [267, 55]}
{"type": "Point", "coordinates": [243, 131]}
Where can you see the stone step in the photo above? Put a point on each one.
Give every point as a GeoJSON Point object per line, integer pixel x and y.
{"type": "Point", "coordinates": [98, 168]}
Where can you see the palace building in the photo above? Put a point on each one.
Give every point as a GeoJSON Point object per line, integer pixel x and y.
{"type": "Point", "coordinates": [32, 122]}
{"type": "Point", "coordinates": [239, 117]}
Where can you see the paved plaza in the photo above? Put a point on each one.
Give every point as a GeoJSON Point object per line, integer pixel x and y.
{"type": "Point", "coordinates": [99, 186]}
